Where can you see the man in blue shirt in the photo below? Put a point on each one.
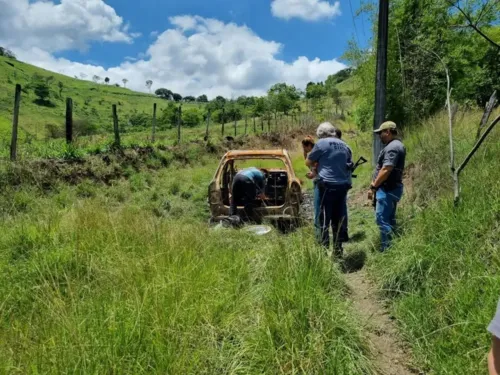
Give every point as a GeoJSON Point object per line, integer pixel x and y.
{"type": "Point", "coordinates": [248, 187]}
{"type": "Point", "coordinates": [334, 160]}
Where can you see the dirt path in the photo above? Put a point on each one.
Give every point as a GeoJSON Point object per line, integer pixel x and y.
{"type": "Point", "coordinates": [390, 355]}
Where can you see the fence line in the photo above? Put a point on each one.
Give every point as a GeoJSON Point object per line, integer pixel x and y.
{"type": "Point", "coordinates": [282, 122]}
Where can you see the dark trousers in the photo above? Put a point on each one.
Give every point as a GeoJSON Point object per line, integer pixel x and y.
{"type": "Point", "coordinates": [333, 212]}
{"type": "Point", "coordinates": [244, 193]}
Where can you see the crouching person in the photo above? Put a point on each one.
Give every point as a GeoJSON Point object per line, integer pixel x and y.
{"type": "Point", "coordinates": [332, 157]}
{"type": "Point", "coordinates": [247, 189]}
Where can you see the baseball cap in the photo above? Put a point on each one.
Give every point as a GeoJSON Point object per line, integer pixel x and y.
{"type": "Point", "coordinates": [386, 126]}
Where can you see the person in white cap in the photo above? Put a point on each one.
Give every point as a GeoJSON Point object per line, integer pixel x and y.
{"type": "Point", "coordinates": [387, 182]}
{"type": "Point", "coordinates": [333, 159]}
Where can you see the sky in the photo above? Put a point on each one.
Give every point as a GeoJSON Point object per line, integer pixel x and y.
{"type": "Point", "coordinates": [193, 47]}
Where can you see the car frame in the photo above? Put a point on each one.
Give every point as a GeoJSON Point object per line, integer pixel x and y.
{"type": "Point", "coordinates": [282, 204]}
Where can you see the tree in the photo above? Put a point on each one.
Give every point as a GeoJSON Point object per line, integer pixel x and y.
{"type": "Point", "coordinates": [242, 100]}
{"type": "Point", "coordinates": [189, 99]}
{"type": "Point", "coordinates": [164, 93]}
{"type": "Point", "coordinates": [202, 99]}
{"type": "Point", "coordinates": [336, 97]}
{"type": "Point", "coordinates": [61, 87]}
{"type": "Point", "coordinates": [149, 84]}
{"type": "Point", "coordinates": [260, 106]}
{"type": "Point", "coordinates": [315, 90]}
{"type": "Point", "coordinates": [7, 53]}
{"type": "Point", "coordinates": [83, 75]}
{"type": "Point", "coordinates": [283, 97]}
{"type": "Point", "coordinates": [478, 14]}
{"type": "Point", "coordinates": [42, 91]}
{"type": "Point", "coordinates": [177, 97]}
{"type": "Point", "coordinates": [96, 78]}
{"type": "Point", "coordinates": [125, 81]}
{"type": "Point", "coordinates": [106, 80]}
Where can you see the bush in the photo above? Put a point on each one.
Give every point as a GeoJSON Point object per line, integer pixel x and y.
{"type": "Point", "coordinates": [191, 117]}
{"type": "Point", "coordinates": [168, 117]}
{"type": "Point", "coordinates": [139, 120]}
{"type": "Point", "coordinates": [80, 128]}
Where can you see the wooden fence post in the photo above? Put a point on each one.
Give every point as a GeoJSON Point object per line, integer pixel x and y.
{"type": "Point", "coordinates": [15, 122]}
{"type": "Point", "coordinates": [69, 120]}
{"type": "Point", "coordinates": [179, 120]}
{"type": "Point", "coordinates": [154, 124]}
{"type": "Point", "coordinates": [246, 121]}
{"type": "Point", "coordinates": [223, 119]}
{"type": "Point", "coordinates": [116, 128]}
{"type": "Point", "coordinates": [208, 124]}
{"type": "Point", "coordinates": [262, 123]}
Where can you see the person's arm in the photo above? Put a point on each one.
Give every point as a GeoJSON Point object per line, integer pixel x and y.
{"type": "Point", "coordinates": [313, 171]}
{"type": "Point", "coordinates": [313, 157]}
{"type": "Point", "coordinates": [390, 161]}
{"type": "Point", "coordinates": [261, 187]}
{"type": "Point", "coordinates": [382, 176]}
{"type": "Point", "coordinates": [494, 356]}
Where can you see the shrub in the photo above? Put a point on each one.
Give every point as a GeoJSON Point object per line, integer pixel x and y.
{"type": "Point", "coordinates": [191, 117]}
{"type": "Point", "coordinates": [80, 128]}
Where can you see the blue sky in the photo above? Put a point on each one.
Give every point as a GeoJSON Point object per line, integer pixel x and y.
{"type": "Point", "coordinates": [230, 47]}
{"type": "Point", "coordinates": [325, 39]}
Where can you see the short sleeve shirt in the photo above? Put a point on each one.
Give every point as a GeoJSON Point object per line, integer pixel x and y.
{"type": "Point", "coordinates": [393, 155]}
{"type": "Point", "coordinates": [494, 327]}
{"type": "Point", "coordinates": [256, 175]}
{"type": "Point", "coordinates": [334, 158]}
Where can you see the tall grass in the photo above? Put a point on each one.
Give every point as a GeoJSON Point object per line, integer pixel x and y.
{"type": "Point", "coordinates": [127, 279]}
{"type": "Point", "coordinates": [443, 273]}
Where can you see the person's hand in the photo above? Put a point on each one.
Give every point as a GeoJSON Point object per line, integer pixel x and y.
{"type": "Point", "coordinates": [370, 194]}
{"type": "Point", "coordinates": [262, 196]}
{"type": "Point", "coordinates": [310, 175]}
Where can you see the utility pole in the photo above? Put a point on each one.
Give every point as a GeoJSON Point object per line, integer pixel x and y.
{"type": "Point", "coordinates": [381, 75]}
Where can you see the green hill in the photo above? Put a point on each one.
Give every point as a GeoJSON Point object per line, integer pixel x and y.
{"type": "Point", "coordinates": [91, 101]}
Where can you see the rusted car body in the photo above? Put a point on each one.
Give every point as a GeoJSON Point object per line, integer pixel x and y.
{"type": "Point", "coordinates": [283, 188]}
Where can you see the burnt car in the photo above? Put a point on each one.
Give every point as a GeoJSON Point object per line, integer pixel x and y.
{"type": "Point", "coordinates": [283, 189]}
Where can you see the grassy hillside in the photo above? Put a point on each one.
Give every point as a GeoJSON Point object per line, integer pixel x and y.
{"type": "Point", "coordinates": [91, 101]}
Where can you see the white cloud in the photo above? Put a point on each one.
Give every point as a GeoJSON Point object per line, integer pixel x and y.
{"type": "Point", "coordinates": [200, 56]}
{"type": "Point", "coordinates": [53, 27]}
{"type": "Point", "coordinates": [308, 10]}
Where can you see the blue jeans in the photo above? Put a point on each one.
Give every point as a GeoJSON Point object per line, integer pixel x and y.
{"type": "Point", "coordinates": [385, 212]}
{"type": "Point", "coordinates": [317, 210]}
{"type": "Point", "coordinates": [317, 204]}
{"type": "Point", "coordinates": [332, 212]}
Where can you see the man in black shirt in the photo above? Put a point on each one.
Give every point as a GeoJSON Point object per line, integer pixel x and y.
{"type": "Point", "coordinates": [387, 182]}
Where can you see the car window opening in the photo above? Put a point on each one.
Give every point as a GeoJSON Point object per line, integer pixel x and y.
{"type": "Point", "coordinates": [277, 180]}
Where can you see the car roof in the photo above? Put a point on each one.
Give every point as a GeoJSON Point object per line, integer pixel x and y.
{"type": "Point", "coordinates": [276, 152]}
